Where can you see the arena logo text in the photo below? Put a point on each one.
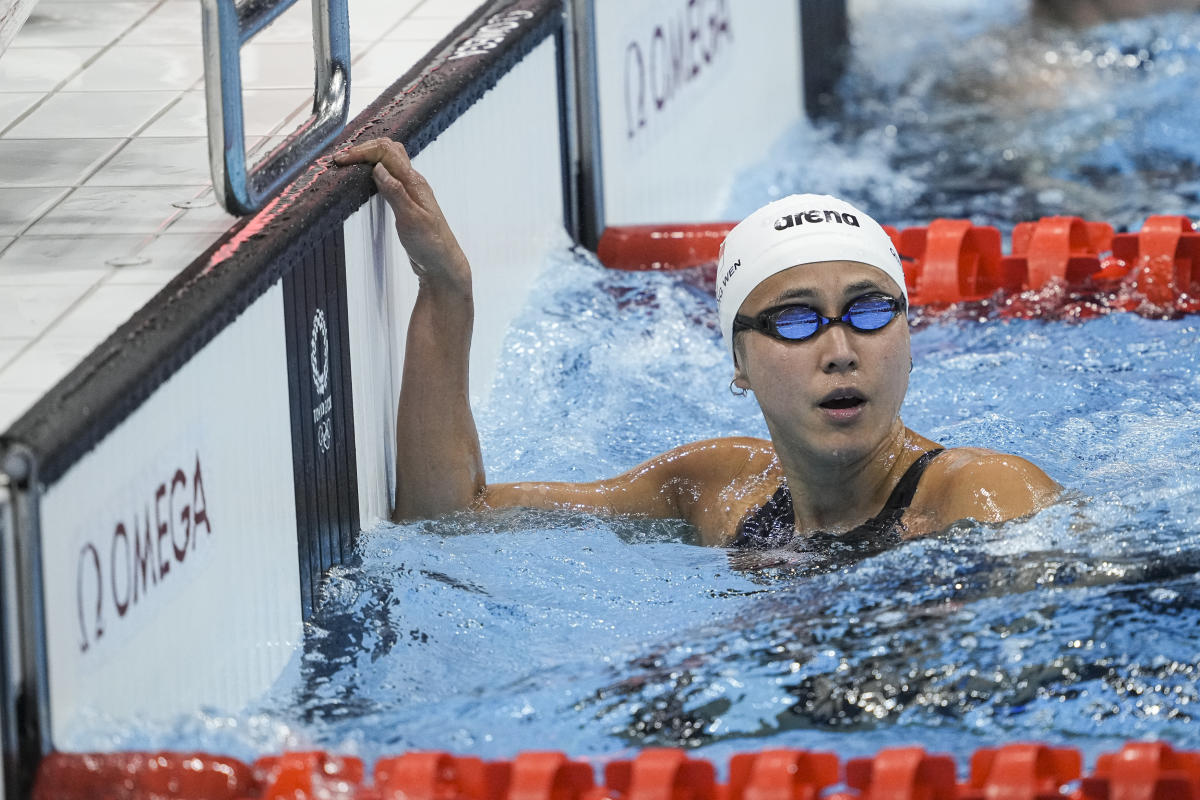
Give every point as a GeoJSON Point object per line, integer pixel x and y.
{"type": "Point", "coordinates": [823, 215]}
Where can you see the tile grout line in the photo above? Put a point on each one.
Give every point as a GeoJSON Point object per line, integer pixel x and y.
{"type": "Point", "coordinates": [173, 217]}
{"type": "Point", "coordinates": [79, 70]}
{"type": "Point", "coordinates": [42, 334]}
{"type": "Point", "coordinates": [201, 84]}
{"type": "Point", "coordinates": [85, 177]}
{"type": "Point", "coordinates": [20, 350]}
{"type": "Point", "coordinates": [67, 192]}
{"type": "Point", "coordinates": [101, 164]}
{"type": "Point", "coordinates": [106, 275]}
{"type": "Point", "coordinates": [103, 277]}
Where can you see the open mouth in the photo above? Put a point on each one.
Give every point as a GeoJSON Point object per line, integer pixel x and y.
{"type": "Point", "coordinates": [843, 402]}
{"type": "Point", "coordinates": [842, 399]}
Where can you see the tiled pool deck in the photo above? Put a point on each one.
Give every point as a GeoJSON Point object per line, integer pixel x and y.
{"type": "Point", "coordinates": [105, 192]}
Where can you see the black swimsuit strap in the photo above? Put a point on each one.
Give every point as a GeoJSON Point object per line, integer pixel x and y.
{"type": "Point", "coordinates": [772, 524]}
{"type": "Point", "coordinates": [902, 496]}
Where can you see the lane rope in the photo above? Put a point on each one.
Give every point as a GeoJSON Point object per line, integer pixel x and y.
{"type": "Point", "coordinates": [1027, 771]}
{"type": "Point", "coordinates": [1055, 267]}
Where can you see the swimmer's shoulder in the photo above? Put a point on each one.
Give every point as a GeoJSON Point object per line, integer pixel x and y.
{"type": "Point", "coordinates": [721, 461]}
{"type": "Point", "coordinates": [980, 484]}
{"type": "Point", "coordinates": [727, 476]}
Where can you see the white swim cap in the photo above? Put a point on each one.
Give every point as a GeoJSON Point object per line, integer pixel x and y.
{"type": "Point", "coordinates": [800, 229]}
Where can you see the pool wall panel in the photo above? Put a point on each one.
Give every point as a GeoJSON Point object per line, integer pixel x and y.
{"type": "Point", "coordinates": [498, 177]}
{"type": "Point", "coordinates": [690, 93]}
{"type": "Point", "coordinates": [168, 556]}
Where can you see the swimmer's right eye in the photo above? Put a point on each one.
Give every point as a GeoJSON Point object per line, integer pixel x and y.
{"type": "Point", "coordinates": [797, 323]}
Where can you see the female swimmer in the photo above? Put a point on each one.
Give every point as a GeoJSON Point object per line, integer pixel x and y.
{"type": "Point", "coordinates": [812, 303]}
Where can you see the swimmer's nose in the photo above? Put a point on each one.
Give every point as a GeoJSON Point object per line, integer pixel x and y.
{"type": "Point", "coordinates": [838, 354]}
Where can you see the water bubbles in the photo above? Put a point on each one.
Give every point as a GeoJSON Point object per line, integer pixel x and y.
{"type": "Point", "coordinates": [1162, 595]}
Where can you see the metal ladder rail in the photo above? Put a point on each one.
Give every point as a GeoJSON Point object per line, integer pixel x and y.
{"type": "Point", "coordinates": [228, 25]}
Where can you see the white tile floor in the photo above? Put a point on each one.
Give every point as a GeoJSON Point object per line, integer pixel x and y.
{"type": "Point", "coordinates": [103, 137]}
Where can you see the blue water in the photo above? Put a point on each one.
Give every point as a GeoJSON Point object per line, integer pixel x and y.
{"type": "Point", "coordinates": [517, 630]}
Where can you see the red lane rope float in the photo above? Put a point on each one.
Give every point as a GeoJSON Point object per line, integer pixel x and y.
{"type": "Point", "coordinates": [1065, 249]}
{"type": "Point", "coordinates": [952, 261]}
{"type": "Point", "coordinates": [642, 247]}
{"type": "Point", "coordinates": [293, 776]}
{"type": "Point", "coordinates": [780, 775]}
{"type": "Point", "coordinates": [1144, 771]}
{"type": "Point", "coordinates": [906, 773]}
{"type": "Point", "coordinates": [1140, 771]}
{"type": "Point", "coordinates": [71, 776]}
{"type": "Point", "coordinates": [1165, 255]}
{"type": "Point", "coordinates": [661, 774]}
{"type": "Point", "coordinates": [437, 776]}
{"type": "Point", "coordinates": [1056, 264]}
{"type": "Point", "coordinates": [1021, 772]}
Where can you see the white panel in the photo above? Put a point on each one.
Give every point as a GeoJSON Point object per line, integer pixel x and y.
{"type": "Point", "coordinates": [206, 614]}
{"type": "Point", "coordinates": [498, 177]}
{"type": "Point", "coordinates": [380, 289]}
{"type": "Point", "coordinates": [691, 92]}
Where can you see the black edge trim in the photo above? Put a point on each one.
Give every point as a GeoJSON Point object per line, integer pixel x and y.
{"type": "Point", "coordinates": [825, 42]}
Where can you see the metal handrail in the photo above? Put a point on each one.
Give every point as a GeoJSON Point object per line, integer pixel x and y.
{"type": "Point", "coordinates": [228, 25]}
{"type": "Point", "coordinates": [25, 693]}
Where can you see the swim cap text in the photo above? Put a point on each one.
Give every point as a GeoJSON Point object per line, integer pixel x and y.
{"type": "Point", "coordinates": [823, 215]}
{"type": "Point", "coordinates": [725, 279]}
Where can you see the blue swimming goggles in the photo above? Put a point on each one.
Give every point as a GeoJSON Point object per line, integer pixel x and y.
{"type": "Point", "coordinates": [796, 322]}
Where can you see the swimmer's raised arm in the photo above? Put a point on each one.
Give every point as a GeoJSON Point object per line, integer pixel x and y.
{"type": "Point", "coordinates": [439, 467]}
{"type": "Point", "coordinates": [438, 464]}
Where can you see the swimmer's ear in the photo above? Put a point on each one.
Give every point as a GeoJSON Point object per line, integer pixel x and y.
{"type": "Point", "coordinates": [739, 375]}
{"type": "Point", "coordinates": [739, 378]}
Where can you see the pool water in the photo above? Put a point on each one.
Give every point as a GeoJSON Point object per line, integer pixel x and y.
{"type": "Point", "coordinates": [516, 630]}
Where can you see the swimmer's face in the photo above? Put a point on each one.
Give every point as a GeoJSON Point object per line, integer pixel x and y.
{"type": "Point", "coordinates": [838, 394]}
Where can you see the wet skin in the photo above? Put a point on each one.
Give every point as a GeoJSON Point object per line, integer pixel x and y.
{"type": "Point", "coordinates": [831, 405]}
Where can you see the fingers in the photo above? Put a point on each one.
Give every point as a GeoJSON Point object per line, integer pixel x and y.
{"type": "Point", "coordinates": [397, 174]}
{"type": "Point", "coordinates": [392, 189]}
{"type": "Point", "coordinates": [372, 151]}
{"type": "Point", "coordinates": [423, 230]}
{"type": "Point", "coordinates": [391, 155]}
